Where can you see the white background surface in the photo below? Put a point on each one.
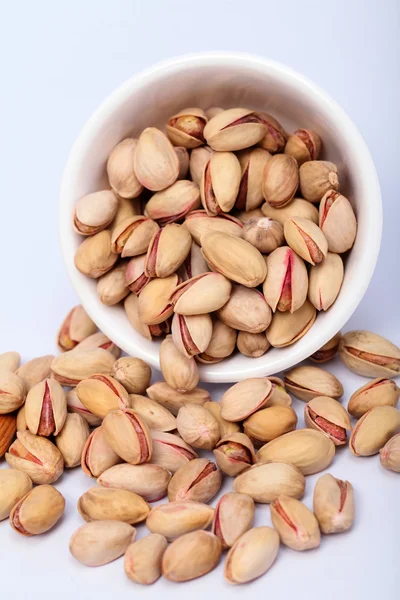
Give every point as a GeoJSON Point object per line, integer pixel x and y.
{"type": "Point", "coordinates": [58, 61]}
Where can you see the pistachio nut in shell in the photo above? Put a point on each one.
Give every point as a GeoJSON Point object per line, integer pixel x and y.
{"type": "Point", "coordinates": [280, 180]}
{"type": "Point", "coordinates": [316, 178]}
{"type": "Point", "coordinates": [127, 208]}
{"type": "Point", "coordinates": [246, 215]}
{"type": "Point", "coordinates": [177, 518]}
{"type": "Point", "coordinates": [128, 435]}
{"type": "Point", "coordinates": [94, 256]}
{"type": "Point", "coordinates": [142, 561]}
{"type": "Point", "coordinates": [328, 350]}
{"type": "Point", "coordinates": [76, 327]}
{"type": "Point", "coordinates": [234, 129]}
{"type": "Point", "coordinates": [198, 427]}
{"type": "Point", "coordinates": [94, 212]}
{"type": "Point", "coordinates": [148, 481]}
{"type": "Point", "coordinates": [112, 287]}
{"type": "Point", "coordinates": [21, 421]}
{"type": "Point", "coordinates": [337, 221]}
{"type": "Point", "coordinates": [333, 504]}
{"type": "Point", "coordinates": [10, 361]}
{"type": "Point", "coordinates": [120, 169]}
{"type": "Point", "coordinates": [74, 405]}
{"type": "Point", "coordinates": [199, 157]}
{"type": "Point", "coordinates": [190, 556]}
{"type": "Point", "coordinates": [252, 344]}
{"type": "Point", "coordinates": [265, 482]}
{"type": "Point", "coordinates": [305, 383]}
{"type": "Point", "coordinates": [173, 203]}
{"type": "Point", "coordinates": [222, 343]}
{"type": "Point", "coordinates": [246, 310]}
{"type": "Point", "coordinates": [156, 416]}
{"type": "Point", "coordinates": [234, 514]}
{"type": "Point", "coordinates": [303, 145]}
{"type": "Point", "coordinates": [191, 333]}
{"type": "Point", "coordinates": [99, 504]}
{"type": "Point", "coordinates": [102, 393]}
{"type": "Point", "coordinates": [198, 480]}
{"type": "Point", "coordinates": [132, 373]}
{"type": "Point", "coordinates": [97, 454]}
{"type": "Point", "coordinates": [135, 277]}
{"type": "Point", "coordinates": [244, 398]}
{"type": "Point", "coordinates": [252, 163]}
{"type": "Point", "coordinates": [46, 408]}
{"type": "Point", "coordinates": [252, 555]}
{"type": "Point", "coordinates": [72, 367]}
{"type": "Point", "coordinates": [154, 302]}
{"type": "Point", "coordinates": [234, 453]}
{"type": "Point", "coordinates": [298, 207]}
{"type": "Point", "coordinates": [297, 526]}
{"type": "Point", "coordinates": [309, 450]}
{"type": "Point", "coordinates": [202, 294]}
{"type": "Point", "coordinates": [199, 223]}
{"type": "Point", "coordinates": [13, 486]}
{"type": "Point", "coordinates": [170, 451]}
{"type": "Point", "coordinates": [194, 264]}
{"type": "Point", "coordinates": [286, 327]}
{"type": "Point", "coordinates": [373, 430]}
{"type": "Point", "coordinates": [179, 371]}
{"type": "Point", "coordinates": [183, 158]}
{"type": "Point", "coordinates": [173, 400]}
{"type": "Point", "coordinates": [275, 137]}
{"type": "Point", "coordinates": [100, 542]}
{"type": "Point", "coordinates": [133, 236]}
{"type": "Point", "coordinates": [12, 392]}
{"type": "Point", "coordinates": [327, 415]}
{"type": "Point", "coordinates": [377, 392]}
{"type": "Point", "coordinates": [369, 354]}
{"type": "Point", "coordinates": [38, 511]}
{"type": "Point", "coordinates": [72, 439]}
{"type": "Point", "coordinates": [35, 370]}
{"type": "Point", "coordinates": [167, 250]}
{"type": "Point", "coordinates": [131, 306]}
{"type": "Point", "coordinates": [226, 427]}
{"type": "Point", "coordinates": [99, 340]}
{"type": "Point", "coordinates": [279, 395]}
{"type": "Point", "coordinates": [306, 239]}
{"type": "Point", "coordinates": [155, 162]}
{"type": "Point", "coordinates": [269, 423]}
{"type": "Point", "coordinates": [186, 127]}
{"type": "Point", "coordinates": [220, 182]}
{"type": "Point", "coordinates": [285, 287]}
{"type": "Point", "coordinates": [8, 427]}
{"type": "Point", "coordinates": [36, 456]}
{"type": "Point", "coordinates": [264, 234]}
{"type": "Point", "coordinates": [390, 454]}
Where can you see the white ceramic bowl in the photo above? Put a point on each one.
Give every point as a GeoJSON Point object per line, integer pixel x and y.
{"type": "Point", "coordinates": [226, 79]}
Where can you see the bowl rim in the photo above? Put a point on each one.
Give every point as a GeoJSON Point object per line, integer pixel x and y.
{"type": "Point", "coordinates": [291, 76]}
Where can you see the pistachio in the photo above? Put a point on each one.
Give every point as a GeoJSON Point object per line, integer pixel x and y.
{"type": "Point", "coordinates": [99, 504]}
{"type": "Point", "coordinates": [328, 350]}
{"type": "Point", "coordinates": [97, 454]}
{"type": "Point", "coordinates": [180, 372]}
{"type": "Point", "coordinates": [154, 302]}
{"type": "Point", "coordinates": [183, 158]}
{"type": "Point", "coordinates": [133, 236]}
{"type": "Point", "coordinates": [121, 172]}
{"type": "Point", "coordinates": [99, 340]}
{"type": "Point", "coordinates": [246, 310]}
{"type": "Point", "coordinates": [100, 542]}
{"type": "Point", "coordinates": [390, 454]}
{"type": "Point", "coordinates": [167, 250]}
{"type": "Point", "coordinates": [155, 415]}
{"type": "Point", "coordinates": [8, 427]}
{"type": "Point", "coordinates": [12, 392]}
{"type": "Point", "coordinates": [170, 451]}
{"type": "Point", "coordinates": [306, 239]}
{"type": "Point", "coordinates": [234, 514]}
{"type": "Point", "coordinates": [337, 221]}
{"type": "Point", "coordinates": [173, 400]}
{"type": "Point", "coordinates": [378, 392]}
{"type": "Point", "coordinates": [72, 439]}
{"type": "Point", "coordinates": [186, 127]}
{"type": "Point", "coordinates": [199, 157]}
{"type": "Point", "coordinates": [202, 294]}
{"type": "Point", "coordinates": [36, 456]}
{"type": "Point", "coordinates": [287, 328]}
{"type": "Point", "coordinates": [225, 427]}
{"type": "Point", "coordinates": [303, 145]}
{"type": "Point", "coordinates": [309, 450]}
{"type": "Point", "coordinates": [333, 504]}
{"type": "Point", "coordinates": [264, 234]}
{"type": "Point", "coordinates": [10, 361]}
{"type": "Point", "coordinates": [305, 383]}
{"type": "Point", "coordinates": [220, 182]}
{"type": "Point", "coordinates": [72, 367]}
{"type": "Point", "coordinates": [131, 306]}
{"type": "Point", "coordinates": [275, 137]}
{"type": "Point", "coordinates": [222, 343]}
{"type": "Point", "coordinates": [279, 395]}
{"type": "Point", "coordinates": [252, 555]}
{"type": "Point", "coordinates": [35, 370]}
{"type": "Point", "coordinates": [155, 162]}
{"type": "Point", "coordinates": [325, 414]}
{"type": "Point", "coordinates": [101, 393]}
{"type": "Point", "coordinates": [133, 373]}
{"type": "Point", "coordinates": [286, 284]}
{"type": "Point", "coordinates": [325, 281]}
{"type": "Point", "coordinates": [14, 485]}
{"type": "Point", "coordinates": [316, 178]}
{"type": "Point", "coordinates": [74, 405]}
{"type": "Point", "coordinates": [94, 256]}
{"type": "Point", "coordinates": [76, 327]}
{"type": "Point", "coordinates": [199, 480]}
{"type": "Point", "coordinates": [296, 524]}
{"type": "Point", "coordinates": [94, 212]}
{"type": "Point", "coordinates": [112, 287]}
{"type": "Point", "coordinates": [244, 398]}
{"type": "Point", "coordinates": [234, 453]}
{"type": "Point", "coordinates": [280, 180]}
{"type": "Point", "coordinates": [265, 482]}
{"type": "Point", "coordinates": [197, 426]}
{"type": "Point", "coordinates": [142, 562]}
{"type": "Point", "coordinates": [178, 518]}
{"type": "Point", "coordinates": [194, 264]}
{"type": "Point", "coordinates": [192, 333]}
{"type": "Point", "coordinates": [252, 163]}
{"type": "Point", "coordinates": [235, 258]}
{"type": "Point", "coordinates": [234, 129]}
{"type": "Point", "coordinates": [199, 223]}
{"type": "Point", "coordinates": [127, 208]}
{"type": "Point", "coordinates": [373, 430]}
{"type": "Point", "coordinates": [246, 215]}
{"type": "Point", "coordinates": [21, 421]}
{"type": "Point", "coordinates": [173, 203]}
{"type": "Point", "coordinates": [46, 408]}
{"type": "Point", "coordinates": [38, 511]}
{"type": "Point", "coordinates": [369, 354]}
{"type": "Point", "coordinates": [252, 344]}
{"type": "Point", "coordinates": [128, 435]}
{"type": "Point", "coordinates": [135, 277]}
{"type": "Point", "coordinates": [298, 207]}
{"type": "Point", "coordinates": [213, 111]}
{"type": "Point", "coordinates": [147, 480]}
{"type": "Point", "coordinates": [269, 423]}
{"type": "Point", "coordinates": [191, 555]}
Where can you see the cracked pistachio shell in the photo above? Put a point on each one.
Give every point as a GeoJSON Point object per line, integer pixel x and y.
{"type": "Point", "coordinates": [99, 504]}
{"type": "Point", "coordinates": [333, 504]}
{"type": "Point", "coordinates": [12, 392]}
{"type": "Point", "coordinates": [99, 340]}
{"type": "Point", "coordinates": [186, 127]}
{"type": "Point", "coordinates": [8, 427]}
{"type": "Point", "coordinates": [142, 561]}
{"type": "Point", "coordinates": [155, 162]}
{"type": "Point", "coordinates": [337, 221]}
{"type": "Point", "coordinates": [286, 327]}
{"type": "Point", "coordinates": [94, 212]}
{"type": "Point", "coordinates": [369, 354]}
{"type": "Point", "coordinates": [296, 524]}
{"type": "Point", "coordinates": [75, 328]}
{"type": "Point", "coordinates": [269, 423]}
{"type": "Point", "coordinates": [234, 129]}
{"type": "Point", "coordinates": [234, 453]}
{"type": "Point", "coordinates": [173, 203]}
{"type": "Point", "coordinates": [378, 392]}
{"type": "Point", "coordinates": [97, 454]}
{"type": "Point", "coordinates": [112, 287]}
{"type": "Point", "coordinates": [316, 178]}
{"type": "Point", "coordinates": [306, 239]}
{"type": "Point", "coordinates": [202, 294]}
{"type": "Point", "coordinates": [199, 223]}
{"type": "Point", "coordinates": [234, 514]}
{"type": "Point", "coordinates": [173, 400]}
{"type": "Point", "coordinates": [298, 207]}
{"type": "Point", "coordinates": [100, 542]}
{"type": "Point", "coordinates": [35, 370]}
{"type": "Point", "coordinates": [244, 398]}
{"type": "Point", "coordinates": [128, 435]}
{"type": "Point", "coordinates": [10, 361]}
{"type": "Point", "coordinates": [220, 182]}
{"type": "Point", "coordinates": [183, 158]}
{"type": "Point", "coordinates": [309, 450]}
{"type": "Point", "coordinates": [303, 145]}
{"type": "Point", "coordinates": [135, 276]}
{"type": "Point", "coordinates": [167, 250]}
{"type": "Point", "coordinates": [13, 486]}
{"type": "Point", "coordinates": [235, 258]}
{"type": "Point", "coordinates": [154, 303]}
{"type": "Point", "coordinates": [198, 480]}
{"type": "Point", "coordinates": [36, 456]}
{"type": "Point", "coordinates": [155, 415]}
{"type": "Point", "coordinates": [279, 395]}
{"type": "Point", "coordinates": [286, 284]}
{"type": "Point", "coordinates": [252, 555]}
{"type": "Point", "coordinates": [280, 180]}
{"type": "Point", "coordinates": [194, 264]}
{"type": "Point", "coordinates": [133, 236]}
{"type": "Point", "coordinates": [265, 482]}
{"type": "Point", "coordinates": [199, 157]}
{"type": "Point", "coordinates": [305, 383]}
{"type": "Point", "coordinates": [131, 306]}
{"type": "Point", "coordinates": [390, 454]}
{"type": "Point", "coordinates": [170, 451]}
{"type": "Point", "coordinates": [38, 511]}
{"type": "Point", "coordinates": [190, 556]}
{"type": "Point", "coordinates": [222, 343]}
{"type": "Point", "coordinates": [192, 333]}
{"type": "Point", "coordinates": [252, 344]}
{"type": "Point", "coordinates": [133, 373]}
{"type": "Point", "coordinates": [121, 172]}
{"type": "Point", "coordinates": [95, 256]}
{"type": "Point", "coordinates": [46, 408]}
{"type": "Point", "coordinates": [178, 518]}
{"type": "Point", "coordinates": [325, 281]}
{"type": "Point", "coordinates": [264, 234]}
{"type": "Point", "coordinates": [373, 430]}
{"type": "Point", "coordinates": [246, 310]}
{"type": "Point", "coordinates": [328, 350]}
{"type": "Point", "coordinates": [327, 415]}
{"type": "Point", "coordinates": [198, 427]}
{"type": "Point", "coordinates": [275, 137]}
{"type": "Point", "coordinates": [102, 393]}
{"type": "Point", "coordinates": [226, 427]}
{"type": "Point", "coordinates": [179, 371]}
{"type": "Point", "coordinates": [72, 439]}
{"type": "Point", "coordinates": [252, 163]}
{"type": "Point", "coordinates": [74, 405]}
{"type": "Point", "coordinates": [147, 480]}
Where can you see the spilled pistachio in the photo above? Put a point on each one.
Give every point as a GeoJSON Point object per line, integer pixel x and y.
{"type": "Point", "coordinates": [234, 514]}
{"type": "Point", "coordinates": [155, 415]}
{"type": "Point", "coordinates": [100, 504]}
{"type": "Point", "coordinates": [97, 454]}
{"type": "Point", "coordinates": [269, 423]}
{"type": "Point", "coordinates": [198, 427]}
{"type": "Point", "coordinates": [327, 415]}
{"type": "Point", "coordinates": [198, 480]}
{"type": "Point", "coordinates": [46, 408]}
{"type": "Point", "coordinates": [36, 456]}
{"type": "Point", "coordinates": [333, 504]}
{"type": "Point", "coordinates": [133, 373]}
{"type": "Point", "coordinates": [373, 430]}
{"type": "Point", "coordinates": [76, 327]}
{"type": "Point", "coordinates": [38, 511]}
{"type": "Point", "coordinates": [244, 398]}
{"type": "Point", "coordinates": [179, 371]}
{"type": "Point", "coordinates": [170, 451]}
{"type": "Point", "coordinates": [252, 555]}
{"type": "Point", "coordinates": [390, 454]}
{"type": "Point", "coordinates": [378, 392]}
{"type": "Point", "coordinates": [148, 481]}
{"type": "Point", "coordinates": [142, 561]}
{"type": "Point", "coordinates": [100, 542]}
{"type": "Point", "coordinates": [173, 400]}
{"type": "Point", "coordinates": [305, 383]}
{"type": "Point", "coordinates": [72, 439]}
{"type": "Point", "coordinates": [190, 556]}
{"type": "Point", "coordinates": [265, 482]}
{"type": "Point", "coordinates": [369, 354]}
{"type": "Point", "coordinates": [177, 518]}
{"type": "Point", "coordinates": [234, 453]}
{"type": "Point", "coordinates": [296, 524]}
{"type": "Point", "coordinates": [128, 435]}
{"type": "Point", "coordinates": [102, 393]}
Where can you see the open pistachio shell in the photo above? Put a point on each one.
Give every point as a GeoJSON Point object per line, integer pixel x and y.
{"type": "Point", "coordinates": [155, 162]}
{"type": "Point", "coordinates": [369, 354]}
{"type": "Point", "coordinates": [173, 203]}
{"type": "Point", "coordinates": [286, 328]}
{"type": "Point", "coordinates": [325, 281]}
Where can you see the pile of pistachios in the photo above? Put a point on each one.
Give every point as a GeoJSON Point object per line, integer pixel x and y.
{"type": "Point", "coordinates": [143, 442]}
{"type": "Point", "coordinates": [225, 225]}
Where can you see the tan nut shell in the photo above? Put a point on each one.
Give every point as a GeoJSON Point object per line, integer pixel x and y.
{"type": "Point", "coordinates": [101, 393]}
{"type": "Point", "coordinates": [286, 328]}
{"type": "Point", "coordinates": [191, 333]}
{"type": "Point", "coordinates": [38, 511]}
{"type": "Point", "coordinates": [100, 542]}
{"type": "Point", "coordinates": [170, 451]}
{"type": "Point", "coordinates": [99, 504]}
{"type": "Point", "coordinates": [269, 423]}
{"type": "Point", "coordinates": [378, 392]}
{"type": "Point", "coordinates": [306, 239]}
{"type": "Point", "coordinates": [234, 453]}
{"type": "Point", "coordinates": [222, 134]}
{"type": "Point", "coordinates": [305, 383]}
{"type": "Point", "coordinates": [128, 435]}
{"type": "Point", "coordinates": [72, 367]}
{"type": "Point", "coordinates": [121, 172]}
{"type": "Point", "coordinates": [226, 427]}
{"type": "Point", "coordinates": [390, 454]}
{"type": "Point", "coordinates": [12, 392]}
{"type": "Point", "coordinates": [265, 482]}
{"type": "Point", "coordinates": [167, 250]}
{"type": "Point", "coordinates": [142, 562]}
{"type": "Point", "coordinates": [36, 456]}
{"type": "Point", "coordinates": [280, 293]}
{"type": "Point", "coordinates": [252, 162]}
{"type": "Point", "coordinates": [72, 439]}
{"type": "Point", "coordinates": [46, 408]}
{"type": "Point", "coordinates": [97, 454]}
{"type": "Point", "coordinates": [177, 518]}
{"type": "Point", "coordinates": [95, 212]}
{"type": "Point", "coordinates": [10, 361]}
{"type": "Point", "coordinates": [280, 180]}
{"type": "Point", "coordinates": [94, 256]}
{"type": "Point", "coordinates": [198, 427]}
{"type": "Point", "coordinates": [199, 223]}
{"type": "Point", "coordinates": [13, 486]}
{"type": "Point", "coordinates": [373, 430]}
{"type": "Point", "coordinates": [246, 310]}
{"type": "Point", "coordinates": [180, 372]}
{"type": "Point", "coordinates": [375, 356]}
{"type": "Point", "coordinates": [180, 137]}
{"type": "Point", "coordinates": [154, 303]}
{"type": "Point", "coordinates": [234, 514]}
{"type": "Point", "coordinates": [173, 203]}
{"type": "Point", "coordinates": [328, 350]}
{"type": "Point", "coordinates": [99, 340]}
{"type": "Point", "coordinates": [220, 182]}
{"type": "Point", "coordinates": [298, 207]}
{"type": "Point", "coordinates": [222, 343]}
{"type": "Point", "coordinates": [191, 555]}
{"type": "Point", "coordinates": [333, 504]}
{"type": "Point", "coordinates": [337, 221]}
{"type": "Point", "coordinates": [35, 370]}
{"type": "Point", "coordinates": [298, 528]}
{"type": "Point", "coordinates": [252, 344]}
{"type": "Point", "coordinates": [112, 287]}
{"type": "Point", "coordinates": [325, 281]}
{"type": "Point", "coordinates": [198, 480]}
{"type": "Point", "coordinates": [202, 294]}
{"type": "Point", "coordinates": [147, 480]}
{"type": "Point", "coordinates": [133, 235]}
{"type": "Point", "coordinates": [199, 157]}
{"type": "Point", "coordinates": [133, 373]}
{"type": "Point", "coordinates": [252, 555]}
{"type": "Point", "coordinates": [329, 410]}
{"type": "Point", "coordinates": [316, 178]}
{"type": "Point", "coordinates": [74, 405]}
{"type": "Point", "coordinates": [155, 162]}
{"type": "Point", "coordinates": [155, 415]}
{"type": "Point", "coordinates": [76, 327]}
{"type": "Point", "coordinates": [244, 398]}
{"type": "Point", "coordinates": [173, 400]}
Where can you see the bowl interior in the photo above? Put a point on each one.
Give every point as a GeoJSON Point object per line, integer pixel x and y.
{"type": "Point", "coordinates": [228, 81]}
